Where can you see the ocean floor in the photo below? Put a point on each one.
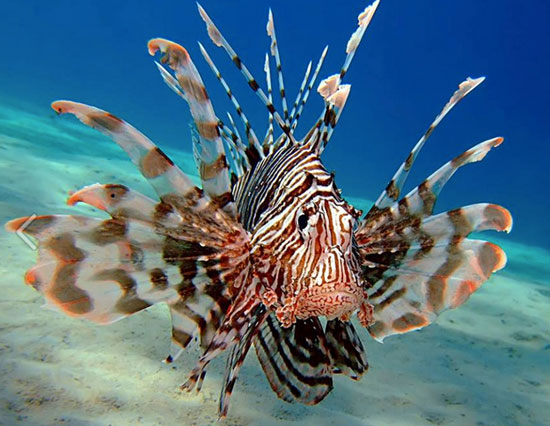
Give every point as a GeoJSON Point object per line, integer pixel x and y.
{"type": "Point", "coordinates": [487, 363]}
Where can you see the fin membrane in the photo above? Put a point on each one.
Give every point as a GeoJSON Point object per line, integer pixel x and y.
{"type": "Point", "coordinates": [345, 349]}
{"type": "Point", "coordinates": [418, 265]}
{"type": "Point", "coordinates": [295, 359]}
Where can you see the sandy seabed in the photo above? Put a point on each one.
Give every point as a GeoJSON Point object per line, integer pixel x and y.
{"type": "Point", "coordinates": [486, 363]}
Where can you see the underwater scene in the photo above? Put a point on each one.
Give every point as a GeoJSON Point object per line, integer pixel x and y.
{"type": "Point", "coordinates": [223, 244]}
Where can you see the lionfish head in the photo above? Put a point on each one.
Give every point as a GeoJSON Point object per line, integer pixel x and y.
{"type": "Point", "coordinates": [305, 245]}
{"type": "Point", "coordinates": [331, 285]}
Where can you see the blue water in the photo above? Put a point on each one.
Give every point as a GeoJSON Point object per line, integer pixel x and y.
{"type": "Point", "coordinates": [410, 62]}
{"type": "Point", "coordinates": [412, 57]}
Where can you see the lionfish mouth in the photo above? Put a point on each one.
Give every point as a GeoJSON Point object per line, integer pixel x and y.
{"type": "Point", "coordinates": [332, 304]}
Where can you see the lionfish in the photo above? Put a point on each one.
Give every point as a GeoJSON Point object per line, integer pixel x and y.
{"type": "Point", "coordinates": [267, 253]}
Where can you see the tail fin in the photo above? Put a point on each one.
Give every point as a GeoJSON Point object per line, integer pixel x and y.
{"type": "Point", "coordinates": [299, 361]}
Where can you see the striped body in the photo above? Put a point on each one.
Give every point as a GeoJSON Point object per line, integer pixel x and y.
{"type": "Point", "coordinates": [266, 253]}
{"type": "Point", "coordinates": [302, 234]}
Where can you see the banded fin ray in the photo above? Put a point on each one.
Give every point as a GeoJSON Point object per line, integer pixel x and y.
{"type": "Point", "coordinates": [295, 118]}
{"type": "Point", "coordinates": [298, 100]}
{"type": "Point", "coordinates": [411, 294]}
{"type": "Point", "coordinates": [219, 40]}
{"type": "Point", "coordinates": [198, 316]}
{"type": "Point", "coordinates": [392, 191]}
{"type": "Point", "coordinates": [214, 169]}
{"type": "Point", "coordinates": [420, 201]}
{"type": "Point", "coordinates": [234, 330]}
{"type": "Point", "coordinates": [254, 151]}
{"type": "Point", "coordinates": [96, 269]}
{"type": "Point", "coordinates": [119, 201]}
{"type": "Point", "coordinates": [179, 251]}
{"type": "Point", "coordinates": [236, 358]}
{"type": "Point", "coordinates": [440, 229]}
{"type": "Point", "coordinates": [237, 148]}
{"type": "Point", "coordinates": [236, 137]}
{"type": "Point", "coordinates": [295, 359]}
{"type": "Point", "coordinates": [268, 139]}
{"type": "Point", "coordinates": [333, 92]}
{"type": "Point", "coordinates": [418, 264]}
{"type": "Point", "coordinates": [347, 355]}
{"type": "Point", "coordinates": [275, 52]}
{"type": "Point", "coordinates": [200, 307]}
{"type": "Point", "coordinates": [335, 96]}
{"type": "Point", "coordinates": [154, 165]}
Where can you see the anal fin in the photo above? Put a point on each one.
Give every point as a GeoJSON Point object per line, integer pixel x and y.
{"type": "Point", "coordinates": [345, 349]}
{"type": "Point", "coordinates": [295, 360]}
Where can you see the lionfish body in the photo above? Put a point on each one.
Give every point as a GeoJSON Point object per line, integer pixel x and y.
{"type": "Point", "coordinates": [267, 247]}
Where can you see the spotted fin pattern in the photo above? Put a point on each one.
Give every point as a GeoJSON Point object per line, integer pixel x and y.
{"type": "Point", "coordinates": [420, 265]}
{"type": "Point", "coordinates": [181, 250]}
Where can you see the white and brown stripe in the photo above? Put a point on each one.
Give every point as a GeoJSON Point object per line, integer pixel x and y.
{"type": "Point", "coordinates": [295, 359]}
{"type": "Point", "coordinates": [275, 52]}
{"type": "Point", "coordinates": [254, 151]}
{"type": "Point", "coordinates": [417, 265]}
{"type": "Point", "coordinates": [295, 119]}
{"type": "Point", "coordinates": [265, 249]}
{"type": "Point", "coordinates": [393, 189]}
{"type": "Point", "coordinates": [213, 170]}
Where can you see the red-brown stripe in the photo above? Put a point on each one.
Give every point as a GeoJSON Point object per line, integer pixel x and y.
{"type": "Point", "coordinates": [104, 120]}
{"type": "Point", "coordinates": [211, 170]}
{"type": "Point", "coordinates": [208, 130]}
{"type": "Point", "coordinates": [193, 89]}
{"type": "Point", "coordinates": [155, 163]}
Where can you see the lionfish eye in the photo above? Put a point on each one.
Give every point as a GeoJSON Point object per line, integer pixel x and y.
{"type": "Point", "coordinates": [302, 221]}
